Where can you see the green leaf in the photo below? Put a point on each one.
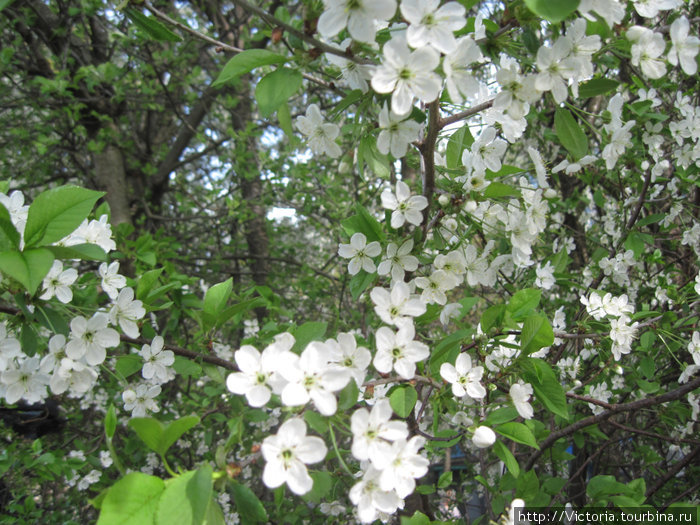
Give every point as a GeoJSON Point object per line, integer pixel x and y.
{"type": "Point", "coordinates": [186, 498]}
{"type": "Point", "coordinates": [374, 226]}
{"type": "Point", "coordinates": [348, 396]}
{"type": "Point", "coordinates": [311, 331]}
{"type": "Point", "coordinates": [456, 144]}
{"type": "Point", "coordinates": [323, 482]}
{"type": "Point", "coordinates": [600, 486]}
{"type": "Point", "coordinates": [284, 117]}
{"type": "Point", "coordinates": [523, 303]}
{"type": "Point", "coordinates": [186, 367]}
{"type": "Point", "coordinates": [249, 507]}
{"type": "Point", "coordinates": [146, 283]}
{"type": "Point", "coordinates": [570, 133]}
{"type": "Point", "coordinates": [176, 429]}
{"type": "Point", "coordinates": [596, 86]}
{"type": "Point", "coordinates": [9, 236]}
{"type": "Point", "coordinates": [447, 350]}
{"type": "Point", "coordinates": [159, 437]}
{"type": "Point", "coordinates": [493, 317]}
{"type": "Point", "coordinates": [129, 364]}
{"type": "Point", "coordinates": [214, 515]}
{"type": "Point", "coordinates": [445, 480]}
{"type": "Point", "coordinates": [4, 4]}
{"type": "Point", "coordinates": [377, 162]}
{"type": "Point", "coordinates": [418, 518]}
{"type": "Point", "coordinates": [86, 252]}
{"type": "Point", "coordinates": [246, 62]}
{"type": "Point", "coordinates": [553, 11]}
{"type": "Point", "coordinates": [149, 430]}
{"type": "Point", "coordinates": [546, 386]}
{"type": "Point", "coordinates": [151, 26]}
{"type": "Point", "coordinates": [537, 333]}
{"type": "Point", "coordinates": [28, 267]}
{"type": "Point", "coordinates": [360, 282]}
{"type": "Point", "coordinates": [133, 500]}
{"type": "Point", "coordinates": [275, 88]}
{"type": "Point", "coordinates": [316, 421]}
{"type": "Point", "coordinates": [518, 433]}
{"type": "Point", "coordinates": [650, 219]}
{"type": "Point", "coordinates": [240, 308]}
{"type": "Point", "coordinates": [507, 457]}
{"type": "Point", "coordinates": [215, 301]}
{"type": "Point", "coordinates": [497, 190]}
{"type": "Point", "coordinates": [110, 422]}
{"type": "Point", "coordinates": [51, 319]}
{"type": "Point", "coordinates": [501, 415]}
{"type": "Point", "coordinates": [403, 399]}
{"type": "Point", "coordinates": [57, 212]}
{"type": "Point", "coordinates": [364, 223]}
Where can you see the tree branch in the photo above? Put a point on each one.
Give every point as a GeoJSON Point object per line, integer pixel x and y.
{"type": "Point", "coordinates": [300, 34]}
{"type": "Point", "coordinates": [616, 409]}
{"type": "Point", "coordinates": [177, 350]}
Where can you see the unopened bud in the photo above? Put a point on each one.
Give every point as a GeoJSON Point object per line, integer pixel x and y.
{"type": "Point", "coordinates": [483, 437]}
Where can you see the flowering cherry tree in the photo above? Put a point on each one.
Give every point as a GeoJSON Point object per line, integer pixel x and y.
{"type": "Point", "coordinates": [491, 282]}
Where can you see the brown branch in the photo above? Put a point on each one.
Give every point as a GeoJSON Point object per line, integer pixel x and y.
{"type": "Point", "coordinates": [640, 202]}
{"type": "Point", "coordinates": [177, 350]}
{"type": "Point", "coordinates": [464, 114]}
{"type": "Point", "coordinates": [396, 379]}
{"type": "Point", "coordinates": [653, 435]}
{"type": "Point", "coordinates": [615, 409]}
{"type": "Point", "coordinates": [218, 43]}
{"type": "Point", "coordinates": [300, 34]}
{"type": "Point", "coordinates": [672, 472]}
{"type": "Point", "coordinates": [427, 151]}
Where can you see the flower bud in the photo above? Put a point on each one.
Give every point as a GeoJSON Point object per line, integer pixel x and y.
{"type": "Point", "coordinates": [483, 437]}
{"type": "Point", "coordinates": [444, 199]}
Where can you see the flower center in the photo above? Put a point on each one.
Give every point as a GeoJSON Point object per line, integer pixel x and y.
{"type": "Point", "coordinates": [396, 352]}
{"type": "Point", "coordinates": [405, 74]}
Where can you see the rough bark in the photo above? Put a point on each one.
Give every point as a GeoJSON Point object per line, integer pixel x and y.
{"type": "Point", "coordinates": [110, 176]}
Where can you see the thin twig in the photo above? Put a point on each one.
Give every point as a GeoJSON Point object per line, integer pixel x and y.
{"type": "Point", "coordinates": [616, 409]}
{"type": "Point", "coordinates": [464, 114]}
{"type": "Point", "coordinates": [300, 34]}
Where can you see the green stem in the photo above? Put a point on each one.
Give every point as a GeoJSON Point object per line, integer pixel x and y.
{"type": "Point", "coordinates": [337, 452]}
{"type": "Point", "coordinates": [115, 457]}
{"type": "Point", "coordinates": [167, 467]}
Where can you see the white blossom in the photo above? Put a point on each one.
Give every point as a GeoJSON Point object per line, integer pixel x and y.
{"type": "Point", "coordinates": [358, 15]}
{"type": "Point", "coordinates": [90, 339]}
{"type": "Point", "coordinates": [157, 361]}
{"type": "Point", "coordinates": [398, 350]}
{"type": "Point", "coordinates": [321, 135]}
{"type": "Point", "coordinates": [399, 303]}
{"type": "Point", "coordinates": [126, 311]}
{"type": "Point", "coordinates": [405, 207]}
{"type": "Point", "coordinates": [112, 281]}
{"type": "Point", "coordinates": [407, 74]}
{"type": "Point", "coordinates": [57, 282]}
{"type": "Point", "coordinates": [287, 453]}
{"type": "Point", "coordinates": [483, 437]}
{"type": "Point", "coordinates": [397, 132]}
{"type": "Point", "coordinates": [464, 378]}
{"type": "Point", "coordinates": [141, 400]}
{"type": "Point", "coordinates": [360, 253]}
{"type": "Point", "coordinates": [309, 377]}
{"type": "Point", "coordinates": [433, 24]}
{"type": "Point", "coordinates": [520, 394]}
{"type": "Point", "coordinates": [398, 260]}
{"type": "Point", "coordinates": [374, 430]}
{"type": "Point", "coordinates": [685, 48]}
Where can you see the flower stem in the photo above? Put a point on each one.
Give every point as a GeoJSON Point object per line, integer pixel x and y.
{"type": "Point", "coordinates": [337, 452]}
